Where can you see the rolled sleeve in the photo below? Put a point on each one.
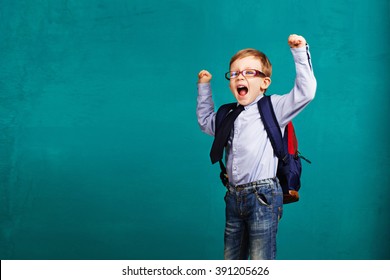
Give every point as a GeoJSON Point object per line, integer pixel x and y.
{"type": "Point", "coordinates": [205, 109]}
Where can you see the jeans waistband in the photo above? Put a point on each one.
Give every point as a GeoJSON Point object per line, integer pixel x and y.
{"type": "Point", "coordinates": [251, 184]}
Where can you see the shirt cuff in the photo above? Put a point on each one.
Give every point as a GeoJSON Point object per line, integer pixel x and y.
{"type": "Point", "coordinates": [204, 89]}
{"type": "Point", "coordinates": [301, 55]}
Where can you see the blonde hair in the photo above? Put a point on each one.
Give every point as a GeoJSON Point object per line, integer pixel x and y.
{"type": "Point", "coordinates": [265, 63]}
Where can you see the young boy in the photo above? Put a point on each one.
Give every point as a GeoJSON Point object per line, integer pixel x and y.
{"type": "Point", "coordinates": [254, 200]}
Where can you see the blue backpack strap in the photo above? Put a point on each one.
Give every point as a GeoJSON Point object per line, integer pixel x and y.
{"type": "Point", "coordinates": [222, 112]}
{"type": "Point", "coordinates": [272, 127]}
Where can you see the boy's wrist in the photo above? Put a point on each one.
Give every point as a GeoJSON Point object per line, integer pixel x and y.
{"type": "Point", "coordinates": [300, 49]}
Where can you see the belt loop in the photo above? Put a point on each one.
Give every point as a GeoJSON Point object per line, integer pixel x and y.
{"type": "Point", "coordinates": [254, 188]}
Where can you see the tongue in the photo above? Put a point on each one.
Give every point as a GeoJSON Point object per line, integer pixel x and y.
{"type": "Point", "coordinates": [242, 91]}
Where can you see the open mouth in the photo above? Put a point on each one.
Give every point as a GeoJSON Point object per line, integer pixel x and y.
{"type": "Point", "coordinates": [242, 90]}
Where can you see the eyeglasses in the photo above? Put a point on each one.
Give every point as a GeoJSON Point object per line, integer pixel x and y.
{"type": "Point", "coordinates": [246, 73]}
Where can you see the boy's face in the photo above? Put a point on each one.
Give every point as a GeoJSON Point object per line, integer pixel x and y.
{"type": "Point", "coordinates": [247, 89]}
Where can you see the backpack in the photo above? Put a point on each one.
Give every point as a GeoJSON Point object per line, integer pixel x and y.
{"type": "Point", "coordinates": [289, 168]}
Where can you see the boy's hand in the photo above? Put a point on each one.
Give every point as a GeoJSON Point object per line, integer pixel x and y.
{"type": "Point", "coordinates": [296, 41]}
{"type": "Point", "coordinates": [204, 77]}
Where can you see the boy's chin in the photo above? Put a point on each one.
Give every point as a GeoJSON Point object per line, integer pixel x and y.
{"type": "Point", "coordinates": [244, 100]}
{"type": "Point", "coordinates": [243, 103]}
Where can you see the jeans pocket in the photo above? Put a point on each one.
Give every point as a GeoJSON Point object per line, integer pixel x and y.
{"type": "Point", "coordinates": [264, 196]}
{"type": "Point", "coordinates": [226, 196]}
{"type": "Point", "coordinates": [280, 212]}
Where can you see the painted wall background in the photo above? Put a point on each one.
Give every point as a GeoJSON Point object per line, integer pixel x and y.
{"type": "Point", "coordinates": [101, 156]}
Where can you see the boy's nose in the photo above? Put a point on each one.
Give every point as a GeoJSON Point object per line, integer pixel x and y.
{"type": "Point", "coordinates": [240, 75]}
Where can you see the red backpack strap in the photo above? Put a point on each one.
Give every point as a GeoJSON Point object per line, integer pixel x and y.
{"type": "Point", "coordinates": [292, 141]}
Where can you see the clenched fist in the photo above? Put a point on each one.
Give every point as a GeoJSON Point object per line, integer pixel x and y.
{"type": "Point", "coordinates": [204, 76]}
{"type": "Point", "coordinates": [296, 41]}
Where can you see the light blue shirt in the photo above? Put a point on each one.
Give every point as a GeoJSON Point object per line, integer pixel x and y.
{"type": "Point", "coordinates": [249, 153]}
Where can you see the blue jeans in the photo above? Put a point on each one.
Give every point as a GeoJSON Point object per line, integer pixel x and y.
{"type": "Point", "coordinates": [252, 214]}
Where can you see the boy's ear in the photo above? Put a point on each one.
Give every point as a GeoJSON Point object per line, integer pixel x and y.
{"type": "Point", "coordinates": [266, 83]}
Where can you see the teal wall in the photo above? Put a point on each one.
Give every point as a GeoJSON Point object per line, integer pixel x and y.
{"type": "Point", "coordinates": [101, 156]}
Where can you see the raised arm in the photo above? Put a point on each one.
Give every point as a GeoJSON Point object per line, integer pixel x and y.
{"type": "Point", "coordinates": [205, 105]}
{"type": "Point", "coordinates": [287, 106]}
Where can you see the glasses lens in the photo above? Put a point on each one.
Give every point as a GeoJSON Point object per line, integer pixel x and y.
{"type": "Point", "coordinates": [249, 73]}
{"type": "Point", "coordinates": [233, 74]}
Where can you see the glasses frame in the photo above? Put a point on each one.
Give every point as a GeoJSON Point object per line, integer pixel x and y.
{"type": "Point", "coordinates": [243, 72]}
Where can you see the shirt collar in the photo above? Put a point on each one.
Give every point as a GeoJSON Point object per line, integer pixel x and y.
{"type": "Point", "coordinates": [254, 102]}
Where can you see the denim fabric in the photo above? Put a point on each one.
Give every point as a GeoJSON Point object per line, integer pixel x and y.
{"type": "Point", "coordinates": [252, 215]}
